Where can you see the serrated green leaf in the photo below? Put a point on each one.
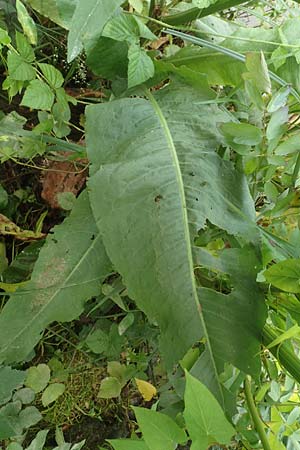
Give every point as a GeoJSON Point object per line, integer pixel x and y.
{"type": "Point", "coordinates": [204, 418]}
{"type": "Point", "coordinates": [38, 377]}
{"type": "Point", "coordinates": [140, 67]}
{"type": "Point", "coordinates": [160, 432]}
{"type": "Point", "coordinates": [52, 392]}
{"type": "Point", "coordinates": [88, 22]}
{"type": "Point", "coordinates": [69, 270]}
{"type": "Point", "coordinates": [166, 176]}
{"type": "Point", "coordinates": [127, 28]}
{"type": "Point", "coordinates": [27, 22]}
{"type": "Point", "coordinates": [285, 275]}
{"type": "Point", "coordinates": [19, 69]}
{"type": "Point", "coordinates": [38, 95]}
{"type": "Point", "coordinates": [52, 75]}
{"type": "Point", "coordinates": [24, 48]}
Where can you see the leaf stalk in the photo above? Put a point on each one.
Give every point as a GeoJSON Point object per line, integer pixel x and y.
{"type": "Point", "coordinates": [257, 421]}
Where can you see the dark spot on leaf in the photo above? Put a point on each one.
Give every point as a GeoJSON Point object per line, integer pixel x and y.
{"type": "Point", "coordinates": [158, 198]}
{"type": "Point", "coordinates": [55, 241]}
{"type": "Point", "coordinates": [197, 199]}
{"type": "Point", "coordinates": [204, 183]}
{"type": "Point", "coordinates": [92, 237]}
{"type": "Point", "coordinates": [192, 174]}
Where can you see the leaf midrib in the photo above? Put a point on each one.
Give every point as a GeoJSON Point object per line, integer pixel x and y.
{"type": "Point", "coordinates": [172, 149]}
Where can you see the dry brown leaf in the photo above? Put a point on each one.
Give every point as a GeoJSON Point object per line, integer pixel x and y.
{"type": "Point", "coordinates": [61, 177]}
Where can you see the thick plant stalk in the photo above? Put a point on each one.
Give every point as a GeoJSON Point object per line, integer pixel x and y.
{"type": "Point", "coordinates": [282, 352]}
{"type": "Point", "coordinates": [258, 423]}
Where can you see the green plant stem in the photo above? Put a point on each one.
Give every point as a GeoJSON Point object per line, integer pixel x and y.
{"type": "Point", "coordinates": [282, 352]}
{"type": "Point", "coordinates": [258, 423]}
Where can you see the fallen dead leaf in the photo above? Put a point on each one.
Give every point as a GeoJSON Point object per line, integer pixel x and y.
{"type": "Point", "coordinates": [9, 228]}
{"type": "Point", "coordinates": [62, 176]}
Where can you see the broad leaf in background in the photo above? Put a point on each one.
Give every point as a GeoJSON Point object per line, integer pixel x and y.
{"type": "Point", "coordinates": [38, 95]}
{"type": "Point", "coordinates": [140, 67]}
{"type": "Point", "coordinates": [68, 272]}
{"type": "Point", "coordinates": [155, 181]}
{"type": "Point", "coordinates": [208, 7]}
{"type": "Point", "coordinates": [204, 418]}
{"type": "Point", "coordinates": [285, 275]}
{"type": "Point", "coordinates": [108, 58]}
{"type": "Point", "coordinates": [59, 11]}
{"type": "Point", "coordinates": [159, 430]}
{"type": "Point", "coordinates": [220, 69]}
{"type": "Point", "coordinates": [88, 22]}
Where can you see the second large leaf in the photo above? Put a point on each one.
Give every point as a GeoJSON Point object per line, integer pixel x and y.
{"type": "Point", "coordinates": [156, 180]}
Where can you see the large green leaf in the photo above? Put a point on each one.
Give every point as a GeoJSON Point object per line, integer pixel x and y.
{"type": "Point", "coordinates": [88, 22]}
{"type": "Point", "coordinates": [68, 272]}
{"type": "Point", "coordinates": [205, 420]}
{"type": "Point", "coordinates": [231, 318]}
{"type": "Point", "coordinates": [160, 432]}
{"type": "Point", "coordinates": [108, 58]}
{"type": "Point", "coordinates": [285, 275]}
{"type": "Point", "coordinates": [59, 11]}
{"type": "Point", "coordinates": [207, 7]}
{"type": "Point", "coordinates": [156, 181]}
{"type": "Point", "coordinates": [220, 69]}
{"type": "Point", "coordinates": [211, 7]}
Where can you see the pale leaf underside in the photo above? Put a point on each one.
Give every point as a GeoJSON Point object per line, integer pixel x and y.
{"type": "Point", "coordinates": [156, 180]}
